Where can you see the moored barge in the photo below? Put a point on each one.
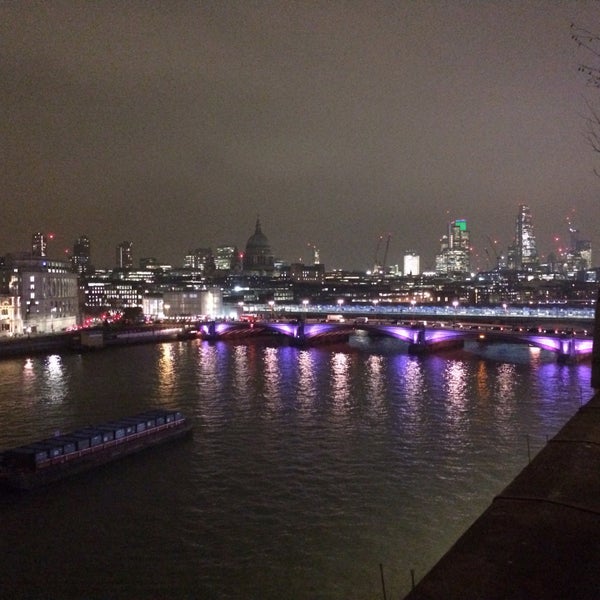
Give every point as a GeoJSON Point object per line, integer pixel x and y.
{"type": "Point", "coordinates": [51, 459]}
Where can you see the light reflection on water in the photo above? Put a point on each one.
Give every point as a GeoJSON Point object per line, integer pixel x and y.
{"type": "Point", "coordinates": [307, 469]}
{"type": "Point", "coordinates": [502, 395]}
{"type": "Point", "coordinates": [166, 368]}
{"type": "Point", "coordinates": [376, 388]}
{"type": "Point", "coordinates": [455, 387]}
{"type": "Point", "coordinates": [29, 378]}
{"type": "Point", "coordinates": [54, 377]}
{"type": "Point", "coordinates": [272, 376]}
{"type": "Point", "coordinates": [307, 380]}
{"type": "Point", "coordinates": [340, 382]}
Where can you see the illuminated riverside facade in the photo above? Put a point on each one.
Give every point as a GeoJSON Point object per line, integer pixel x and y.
{"type": "Point", "coordinates": [184, 304]}
{"type": "Point", "coordinates": [37, 295]}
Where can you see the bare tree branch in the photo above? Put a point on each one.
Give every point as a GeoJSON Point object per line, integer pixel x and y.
{"type": "Point", "coordinates": [590, 42]}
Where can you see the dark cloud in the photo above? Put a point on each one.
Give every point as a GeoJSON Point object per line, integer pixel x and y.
{"type": "Point", "coordinates": [175, 124]}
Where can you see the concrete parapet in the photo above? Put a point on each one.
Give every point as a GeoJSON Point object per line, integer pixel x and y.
{"type": "Point", "coordinates": [540, 538]}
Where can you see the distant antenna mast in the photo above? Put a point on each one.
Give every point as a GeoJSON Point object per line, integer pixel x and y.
{"type": "Point", "coordinates": [316, 256]}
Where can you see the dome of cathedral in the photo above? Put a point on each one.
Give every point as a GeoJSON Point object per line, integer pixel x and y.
{"type": "Point", "coordinates": [258, 240]}
{"type": "Point", "coordinates": [258, 259]}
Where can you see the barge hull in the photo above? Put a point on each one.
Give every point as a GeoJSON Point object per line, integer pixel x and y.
{"type": "Point", "coordinates": [87, 459]}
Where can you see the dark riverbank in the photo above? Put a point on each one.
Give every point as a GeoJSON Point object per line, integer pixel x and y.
{"type": "Point", "coordinates": [35, 344]}
{"type": "Point", "coordinates": [84, 340]}
{"type": "Point", "coordinates": [539, 538]}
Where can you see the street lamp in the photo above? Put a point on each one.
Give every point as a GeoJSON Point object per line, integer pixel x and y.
{"type": "Point", "coordinates": [305, 305]}
{"type": "Point", "coordinates": [455, 305]}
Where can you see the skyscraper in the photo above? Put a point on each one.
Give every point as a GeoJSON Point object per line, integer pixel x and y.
{"type": "Point", "coordinates": [454, 257]}
{"type": "Point", "coordinates": [125, 255]}
{"type": "Point", "coordinates": [525, 248]}
{"type": "Point", "coordinates": [578, 255]}
{"type": "Point", "coordinates": [39, 245]}
{"type": "Point", "coordinates": [81, 256]}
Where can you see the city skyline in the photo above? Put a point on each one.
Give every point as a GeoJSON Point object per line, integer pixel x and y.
{"type": "Point", "coordinates": [174, 126]}
{"type": "Point", "coordinates": [469, 260]}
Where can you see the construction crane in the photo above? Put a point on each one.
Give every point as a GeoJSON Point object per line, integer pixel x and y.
{"type": "Point", "coordinates": [376, 257]}
{"type": "Point", "coordinates": [493, 247]}
{"type": "Point", "coordinates": [377, 266]}
{"type": "Point", "coordinates": [316, 254]}
{"type": "Point", "coordinates": [385, 253]}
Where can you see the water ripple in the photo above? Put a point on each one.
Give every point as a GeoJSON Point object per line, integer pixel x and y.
{"type": "Point", "coordinates": [307, 469]}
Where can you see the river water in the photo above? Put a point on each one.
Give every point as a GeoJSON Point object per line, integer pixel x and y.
{"type": "Point", "coordinates": [308, 468]}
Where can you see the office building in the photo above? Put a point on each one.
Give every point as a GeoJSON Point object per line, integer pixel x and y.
{"type": "Point", "coordinates": [39, 245]}
{"type": "Point", "coordinates": [39, 294]}
{"type": "Point", "coordinates": [523, 255]}
{"type": "Point", "coordinates": [411, 264]}
{"type": "Point", "coordinates": [225, 257]}
{"type": "Point", "coordinates": [81, 258]}
{"type": "Point", "coordinates": [200, 259]}
{"type": "Point", "coordinates": [455, 251]}
{"type": "Point", "coordinates": [125, 255]}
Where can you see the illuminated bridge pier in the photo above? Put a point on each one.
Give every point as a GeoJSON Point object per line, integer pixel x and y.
{"type": "Point", "coordinates": [420, 339]}
{"type": "Point", "coordinates": [299, 333]}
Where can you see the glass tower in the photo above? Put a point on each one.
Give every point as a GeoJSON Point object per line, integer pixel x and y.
{"type": "Point", "coordinates": [525, 246]}
{"type": "Point", "coordinates": [81, 255]}
{"type": "Point", "coordinates": [125, 255]}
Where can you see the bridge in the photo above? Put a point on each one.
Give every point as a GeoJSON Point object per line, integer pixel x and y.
{"type": "Point", "coordinates": [454, 311]}
{"type": "Point", "coordinates": [568, 346]}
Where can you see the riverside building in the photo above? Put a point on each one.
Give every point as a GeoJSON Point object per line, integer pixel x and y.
{"type": "Point", "coordinates": [37, 295]}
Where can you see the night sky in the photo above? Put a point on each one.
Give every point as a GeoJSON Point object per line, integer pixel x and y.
{"type": "Point", "coordinates": [175, 124]}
